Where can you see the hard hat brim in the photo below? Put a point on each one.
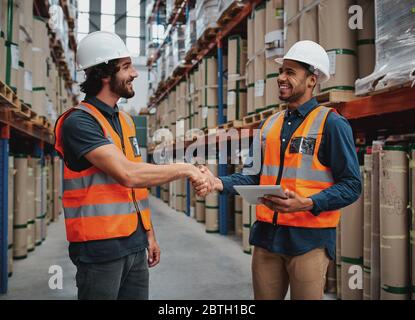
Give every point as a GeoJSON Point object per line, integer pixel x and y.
{"type": "Point", "coordinates": [131, 55]}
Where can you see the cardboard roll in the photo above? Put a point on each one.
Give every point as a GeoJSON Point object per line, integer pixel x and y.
{"type": "Point", "coordinates": [331, 278]}
{"type": "Point", "coordinates": [368, 30]}
{"type": "Point", "coordinates": [366, 284]}
{"type": "Point", "coordinates": [247, 248]}
{"type": "Point", "coordinates": [308, 22]}
{"type": "Point", "coordinates": [351, 228]}
{"type": "Point", "coordinates": [10, 208]}
{"type": "Point", "coordinates": [250, 108]}
{"type": "Point", "coordinates": [334, 30]}
{"type": "Point", "coordinates": [200, 209]}
{"type": "Point", "coordinates": [272, 92]}
{"type": "Point", "coordinates": [394, 245]}
{"type": "Point", "coordinates": [366, 51]}
{"type": "Point", "coordinates": [251, 37]}
{"type": "Point", "coordinates": [31, 235]}
{"type": "Point", "coordinates": [236, 104]}
{"type": "Point", "coordinates": [212, 200]}
{"type": "Point", "coordinates": [292, 30]}
{"type": "Point", "coordinates": [211, 96]}
{"type": "Point", "coordinates": [38, 231]}
{"type": "Point", "coordinates": [375, 226]}
{"type": "Point", "coordinates": [2, 60]}
{"type": "Point", "coordinates": [352, 249]}
{"type": "Point", "coordinates": [259, 28]}
{"type": "Point", "coordinates": [349, 289]}
{"type": "Point", "coordinates": [12, 65]}
{"type": "Point", "coordinates": [20, 197]}
{"type": "Point", "coordinates": [237, 56]}
{"type": "Point", "coordinates": [274, 19]}
{"type": "Point", "coordinates": [10, 260]}
{"type": "Point", "coordinates": [238, 223]}
{"type": "Point", "coordinates": [238, 204]}
{"type": "Point", "coordinates": [20, 242]}
{"type": "Point", "coordinates": [367, 231]}
{"type": "Point", "coordinates": [212, 219]}
{"type": "Point", "coordinates": [343, 70]}
{"type": "Point", "coordinates": [246, 213]}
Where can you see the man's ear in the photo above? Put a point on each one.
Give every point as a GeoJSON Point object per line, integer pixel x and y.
{"type": "Point", "coordinates": [106, 80]}
{"type": "Point", "coordinates": [312, 81]}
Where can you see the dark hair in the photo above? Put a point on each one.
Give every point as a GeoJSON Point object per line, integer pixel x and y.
{"type": "Point", "coordinates": [94, 75]}
{"type": "Point", "coordinates": [309, 68]}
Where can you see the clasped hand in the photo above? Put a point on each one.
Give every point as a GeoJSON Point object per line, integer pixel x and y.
{"type": "Point", "coordinates": [204, 182]}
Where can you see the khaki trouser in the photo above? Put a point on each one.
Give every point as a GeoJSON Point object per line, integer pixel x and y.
{"type": "Point", "coordinates": [272, 273]}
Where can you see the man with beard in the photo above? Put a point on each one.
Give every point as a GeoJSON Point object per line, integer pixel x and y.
{"type": "Point", "coordinates": [105, 198]}
{"type": "Point", "coordinates": [309, 150]}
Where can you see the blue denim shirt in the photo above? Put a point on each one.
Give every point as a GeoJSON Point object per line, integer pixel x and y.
{"type": "Point", "coordinates": [337, 151]}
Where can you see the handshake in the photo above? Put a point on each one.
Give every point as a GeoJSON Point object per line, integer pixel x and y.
{"type": "Point", "coordinates": [204, 182]}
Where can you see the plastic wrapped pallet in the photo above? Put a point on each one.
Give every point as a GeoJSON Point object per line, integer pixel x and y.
{"type": "Point", "coordinates": [10, 210]}
{"type": "Point", "coordinates": [339, 40]}
{"type": "Point", "coordinates": [207, 12]}
{"type": "Point", "coordinates": [178, 45]}
{"type": "Point", "coordinates": [367, 230]}
{"type": "Point", "coordinates": [394, 219]}
{"type": "Point", "coordinates": [352, 250]}
{"type": "Point", "coordinates": [366, 39]}
{"type": "Point", "coordinates": [236, 98]}
{"type": "Point", "coordinates": [291, 25]}
{"type": "Point", "coordinates": [274, 47]}
{"type": "Point", "coordinates": [20, 208]}
{"type": "Point", "coordinates": [190, 32]}
{"type": "Point", "coordinates": [170, 4]}
{"type": "Point", "coordinates": [395, 38]}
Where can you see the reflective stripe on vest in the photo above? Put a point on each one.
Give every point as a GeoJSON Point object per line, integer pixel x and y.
{"type": "Point", "coordinates": [302, 172]}
{"type": "Point", "coordinates": [97, 207]}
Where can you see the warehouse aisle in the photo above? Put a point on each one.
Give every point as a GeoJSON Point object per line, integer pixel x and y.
{"type": "Point", "coordinates": [194, 264]}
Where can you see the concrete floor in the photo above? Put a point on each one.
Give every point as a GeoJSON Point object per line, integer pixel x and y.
{"type": "Point", "coordinates": [194, 264]}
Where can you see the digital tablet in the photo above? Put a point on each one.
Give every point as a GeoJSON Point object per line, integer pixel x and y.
{"type": "Point", "coordinates": [252, 193]}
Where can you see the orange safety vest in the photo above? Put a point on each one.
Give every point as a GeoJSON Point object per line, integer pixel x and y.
{"type": "Point", "coordinates": [97, 207]}
{"type": "Point", "coordinates": [301, 171]}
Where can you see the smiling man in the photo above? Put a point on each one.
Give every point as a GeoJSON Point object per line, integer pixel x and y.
{"type": "Point", "coordinates": [309, 150]}
{"type": "Point", "coordinates": [105, 198]}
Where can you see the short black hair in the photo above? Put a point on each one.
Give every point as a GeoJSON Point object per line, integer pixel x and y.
{"type": "Point", "coordinates": [309, 68]}
{"type": "Point", "coordinates": [94, 75]}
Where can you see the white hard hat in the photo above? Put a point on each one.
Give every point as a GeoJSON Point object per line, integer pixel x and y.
{"type": "Point", "coordinates": [311, 53]}
{"type": "Point", "coordinates": [98, 47]}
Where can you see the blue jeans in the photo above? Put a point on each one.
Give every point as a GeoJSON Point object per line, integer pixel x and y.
{"type": "Point", "coordinates": [124, 279]}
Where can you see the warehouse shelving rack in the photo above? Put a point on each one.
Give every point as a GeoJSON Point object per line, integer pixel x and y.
{"type": "Point", "coordinates": [392, 110]}
{"type": "Point", "coordinates": [38, 136]}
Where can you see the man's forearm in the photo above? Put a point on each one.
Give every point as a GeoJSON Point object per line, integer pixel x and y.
{"type": "Point", "coordinates": [141, 175]}
{"type": "Point", "coordinates": [237, 179]}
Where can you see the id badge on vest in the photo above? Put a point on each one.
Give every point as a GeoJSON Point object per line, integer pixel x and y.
{"type": "Point", "coordinates": [135, 147]}
{"type": "Point", "coordinates": [304, 145]}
